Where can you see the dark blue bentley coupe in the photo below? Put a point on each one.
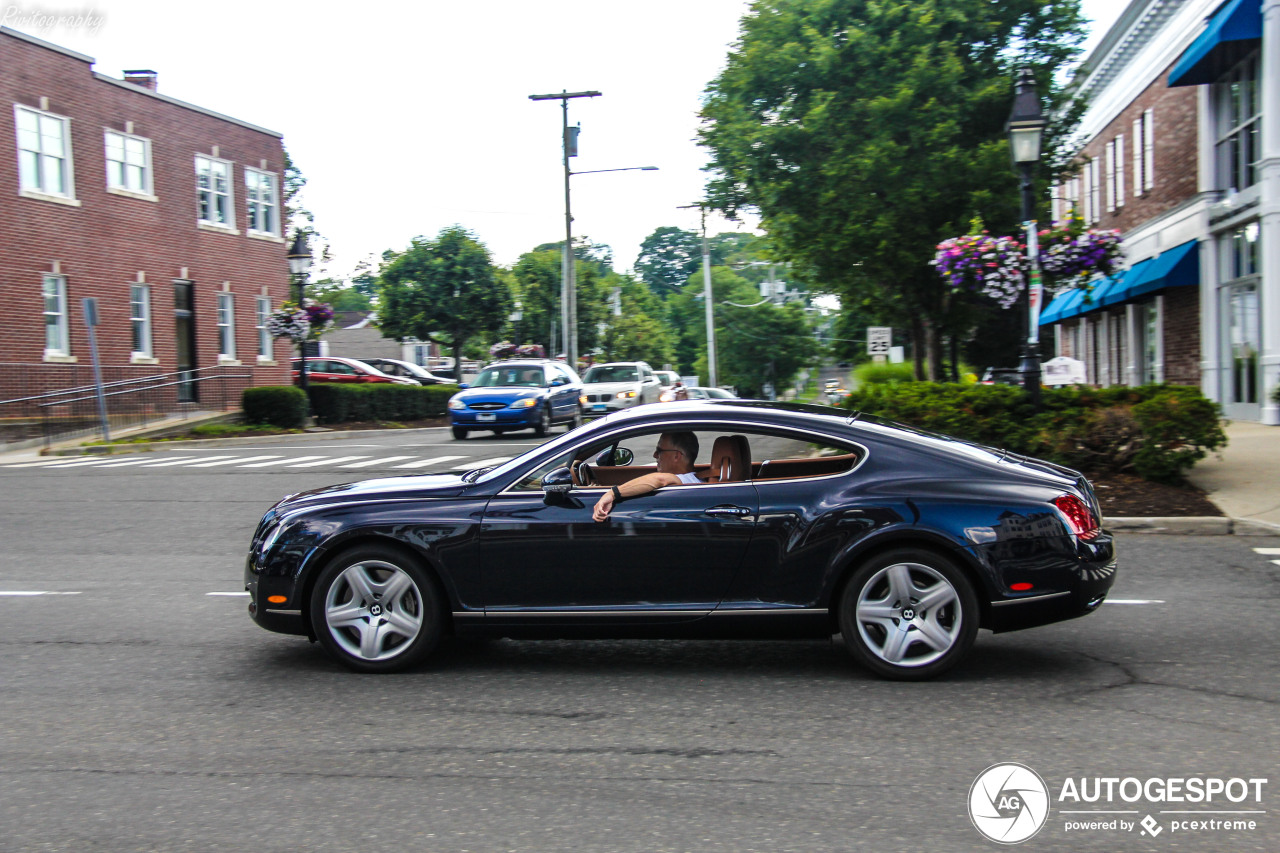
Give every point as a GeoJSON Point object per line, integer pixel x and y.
{"type": "Point", "coordinates": [814, 523]}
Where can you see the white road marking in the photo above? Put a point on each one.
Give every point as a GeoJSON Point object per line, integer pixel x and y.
{"type": "Point", "coordinates": [235, 460]}
{"type": "Point", "coordinates": [186, 461]}
{"type": "Point", "coordinates": [329, 461]}
{"type": "Point", "coordinates": [423, 463]}
{"type": "Point", "coordinates": [142, 461]}
{"type": "Point", "coordinates": [284, 461]}
{"type": "Point", "coordinates": [380, 460]}
{"type": "Point", "coordinates": [30, 592]}
{"type": "Point", "coordinates": [1134, 601]}
{"type": "Point", "coordinates": [1277, 562]}
{"type": "Point", "coordinates": [47, 463]}
{"type": "Point", "coordinates": [1266, 551]}
{"type": "Point", "coordinates": [497, 460]}
{"type": "Point", "coordinates": [230, 594]}
{"type": "Point", "coordinates": [85, 463]}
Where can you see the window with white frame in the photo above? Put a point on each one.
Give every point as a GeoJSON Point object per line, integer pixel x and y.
{"type": "Point", "coordinates": [213, 190]}
{"type": "Point", "coordinates": [263, 201]}
{"type": "Point", "coordinates": [226, 325]}
{"type": "Point", "coordinates": [140, 318]}
{"type": "Point", "coordinates": [1115, 174]}
{"type": "Point", "coordinates": [1095, 189]}
{"type": "Point", "coordinates": [57, 338]}
{"type": "Point", "coordinates": [44, 152]}
{"type": "Point", "coordinates": [265, 350]}
{"type": "Point", "coordinates": [1238, 100]}
{"type": "Point", "coordinates": [128, 162]}
{"type": "Point", "coordinates": [1144, 153]}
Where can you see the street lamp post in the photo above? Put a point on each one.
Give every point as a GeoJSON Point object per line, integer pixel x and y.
{"type": "Point", "coordinates": [299, 265]}
{"type": "Point", "coordinates": [712, 377]}
{"type": "Point", "coordinates": [1026, 128]}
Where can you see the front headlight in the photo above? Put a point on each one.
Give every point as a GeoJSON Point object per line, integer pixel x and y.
{"type": "Point", "coordinates": [456, 404]}
{"type": "Point", "coordinates": [525, 403]}
{"type": "Point", "coordinates": [626, 395]}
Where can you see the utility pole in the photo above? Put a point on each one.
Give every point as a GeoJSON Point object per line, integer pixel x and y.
{"type": "Point", "coordinates": [712, 378]}
{"type": "Point", "coordinates": [568, 283]}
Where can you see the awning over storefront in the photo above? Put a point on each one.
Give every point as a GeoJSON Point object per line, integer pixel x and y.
{"type": "Point", "coordinates": [1227, 39]}
{"type": "Point", "coordinates": [1062, 307]}
{"type": "Point", "coordinates": [1124, 285]}
{"type": "Point", "coordinates": [1176, 267]}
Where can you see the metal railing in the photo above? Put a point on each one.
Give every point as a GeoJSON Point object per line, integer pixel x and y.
{"type": "Point", "coordinates": [132, 400]}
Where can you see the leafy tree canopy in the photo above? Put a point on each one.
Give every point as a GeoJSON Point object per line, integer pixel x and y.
{"type": "Point", "coordinates": [865, 131]}
{"type": "Point", "coordinates": [443, 290]}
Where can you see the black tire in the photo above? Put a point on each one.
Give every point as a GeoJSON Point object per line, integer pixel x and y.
{"type": "Point", "coordinates": [887, 630]}
{"type": "Point", "coordinates": [375, 609]}
{"type": "Point", "coordinates": [575, 421]}
{"type": "Point", "coordinates": [459, 433]}
{"type": "Point", "coordinates": [544, 422]}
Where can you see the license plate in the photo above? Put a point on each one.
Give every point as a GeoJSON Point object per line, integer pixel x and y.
{"type": "Point", "coordinates": [599, 407]}
{"type": "Point", "coordinates": [486, 416]}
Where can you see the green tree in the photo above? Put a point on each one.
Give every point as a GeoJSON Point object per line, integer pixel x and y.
{"type": "Point", "coordinates": [762, 345]}
{"type": "Point", "coordinates": [443, 290]}
{"type": "Point", "coordinates": [638, 331]}
{"type": "Point", "coordinates": [536, 283]}
{"type": "Point", "coordinates": [668, 257]}
{"type": "Point", "coordinates": [866, 131]}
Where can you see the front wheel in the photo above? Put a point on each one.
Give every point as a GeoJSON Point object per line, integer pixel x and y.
{"type": "Point", "coordinates": [459, 433]}
{"type": "Point", "coordinates": [575, 421]}
{"type": "Point", "coordinates": [375, 610]}
{"type": "Point", "coordinates": [544, 422]}
{"type": "Point", "coordinates": [908, 614]}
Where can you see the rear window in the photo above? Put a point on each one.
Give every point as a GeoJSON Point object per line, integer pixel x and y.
{"type": "Point", "coordinates": [612, 373]}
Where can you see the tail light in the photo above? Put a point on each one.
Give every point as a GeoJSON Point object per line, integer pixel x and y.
{"type": "Point", "coordinates": [1080, 519]}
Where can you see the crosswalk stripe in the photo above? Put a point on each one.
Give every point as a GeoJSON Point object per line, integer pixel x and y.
{"type": "Point", "coordinates": [142, 461]}
{"type": "Point", "coordinates": [186, 461]}
{"type": "Point", "coordinates": [85, 463]}
{"type": "Point", "coordinates": [328, 461]}
{"type": "Point", "coordinates": [379, 461]}
{"type": "Point", "coordinates": [1266, 551]}
{"type": "Point", "coordinates": [284, 461]}
{"type": "Point", "coordinates": [29, 592]}
{"type": "Point", "coordinates": [47, 463]}
{"type": "Point", "coordinates": [422, 463]}
{"type": "Point", "coordinates": [235, 460]}
{"type": "Point", "coordinates": [497, 460]}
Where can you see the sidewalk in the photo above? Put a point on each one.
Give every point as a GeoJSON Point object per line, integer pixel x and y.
{"type": "Point", "coordinates": [1244, 478]}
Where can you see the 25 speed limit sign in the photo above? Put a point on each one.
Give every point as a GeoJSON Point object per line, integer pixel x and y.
{"type": "Point", "coordinates": [879, 340]}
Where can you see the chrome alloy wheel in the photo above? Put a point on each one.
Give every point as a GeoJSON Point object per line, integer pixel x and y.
{"type": "Point", "coordinates": [909, 614]}
{"type": "Point", "coordinates": [374, 610]}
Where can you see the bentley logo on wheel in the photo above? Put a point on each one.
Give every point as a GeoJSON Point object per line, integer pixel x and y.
{"type": "Point", "coordinates": [1008, 803]}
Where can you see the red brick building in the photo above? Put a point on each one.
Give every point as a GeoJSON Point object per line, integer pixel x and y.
{"type": "Point", "coordinates": [167, 214]}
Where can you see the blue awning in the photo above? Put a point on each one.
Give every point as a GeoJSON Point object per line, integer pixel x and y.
{"type": "Point", "coordinates": [1062, 307]}
{"type": "Point", "coordinates": [1176, 267]}
{"type": "Point", "coordinates": [1226, 40]}
{"type": "Point", "coordinates": [1104, 292]}
{"type": "Point", "coordinates": [1124, 287]}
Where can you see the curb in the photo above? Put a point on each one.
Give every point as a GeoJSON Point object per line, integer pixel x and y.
{"type": "Point", "coordinates": [150, 446]}
{"type": "Point", "coordinates": [1192, 525]}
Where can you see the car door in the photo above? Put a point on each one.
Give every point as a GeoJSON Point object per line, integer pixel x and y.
{"type": "Point", "coordinates": [670, 555]}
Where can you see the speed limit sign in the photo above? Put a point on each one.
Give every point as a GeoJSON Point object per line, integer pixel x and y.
{"type": "Point", "coordinates": [879, 340]}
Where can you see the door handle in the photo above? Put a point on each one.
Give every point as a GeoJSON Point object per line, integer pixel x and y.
{"type": "Point", "coordinates": [734, 511]}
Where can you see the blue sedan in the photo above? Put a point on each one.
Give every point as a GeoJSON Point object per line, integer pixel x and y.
{"type": "Point", "coordinates": [512, 395]}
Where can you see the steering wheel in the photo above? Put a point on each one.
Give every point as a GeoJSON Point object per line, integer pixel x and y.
{"type": "Point", "coordinates": [585, 476]}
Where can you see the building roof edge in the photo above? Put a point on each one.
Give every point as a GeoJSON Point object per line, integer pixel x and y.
{"type": "Point", "coordinates": [132, 87]}
{"type": "Point", "coordinates": [46, 45]}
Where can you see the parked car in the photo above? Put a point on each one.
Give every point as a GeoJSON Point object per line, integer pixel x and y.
{"type": "Point", "coordinates": [408, 370]}
{"type": "Point", "coordinates": [619, 385]}
{"type": "Point", "coordinates": [1001, 376]}
{"type": "Point", "coordinates": [697, 392]}
{"type": "Point", "coordinates": [346, 370]}
{"type": "Point", "coordinates": [518, 394]}
{"type": "Point", "coordinates": [902, 541]}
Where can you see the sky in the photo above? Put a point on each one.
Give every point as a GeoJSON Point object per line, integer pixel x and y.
{"type": "Point", "coordinates": [409, 117]}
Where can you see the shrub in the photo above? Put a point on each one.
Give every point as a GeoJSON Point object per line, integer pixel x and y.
{"type": "Point", "coordinates": [279, 405]}
{"type": "Point", "coordinates": [1156, 431]}
{"type": "Point", "coordinates": [334, 404]}
{"type": "Point", "coordinates": [883, 373]}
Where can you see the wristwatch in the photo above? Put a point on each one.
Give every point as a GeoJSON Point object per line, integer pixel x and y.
{"type": "Point", "coordinates": [617, 495]}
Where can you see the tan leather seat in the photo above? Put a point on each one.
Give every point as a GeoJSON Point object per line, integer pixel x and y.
{"type": "Point", "coordinates": [730, 459]}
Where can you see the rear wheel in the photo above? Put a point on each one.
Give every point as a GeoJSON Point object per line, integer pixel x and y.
{"type": "Point", "coordinates": [459, 433]}
{"type": "Point", "coordinates": [375, 610]}
{"type": "Point", "coordinates": [908, 614]}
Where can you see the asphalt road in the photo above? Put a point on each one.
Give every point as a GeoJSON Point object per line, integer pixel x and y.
{"type": "Point", "coordinates": [144, 711]}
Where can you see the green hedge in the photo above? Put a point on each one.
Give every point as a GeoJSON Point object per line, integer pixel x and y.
{"type": "Point", "coordinates": [334, 404]}
{"type": "Point", "coordinates": [1156, 431]}
{"type": "Point", "coordinates": [279, 405]}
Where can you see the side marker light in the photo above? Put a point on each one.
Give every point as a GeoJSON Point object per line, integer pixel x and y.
{"type": "Point", "coordinates": [277, 599]}
{"type": "Point", "coordinates": [1020, 587]}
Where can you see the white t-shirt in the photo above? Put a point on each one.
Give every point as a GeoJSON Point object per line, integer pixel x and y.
{"type": "Point", "coordinates": [690, 478]}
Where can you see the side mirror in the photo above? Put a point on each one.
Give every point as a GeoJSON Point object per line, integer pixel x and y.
{"type": "Point", "coordinates": [462, 385]}
{"type": "Point", "coordinates": [558, 482]}
{"type": "Point", "coordinates": [615, 456]}
{"type": "Point", "coordinates": [556, 383]}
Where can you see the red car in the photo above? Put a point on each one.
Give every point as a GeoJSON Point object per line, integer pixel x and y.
{"type": "Point", "coordinates": [346, 370]}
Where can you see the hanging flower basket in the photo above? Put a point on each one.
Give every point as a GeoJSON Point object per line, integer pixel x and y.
{"type": "Point", "coordinates": [501, 350]}
{"type": "Point", "coordinates": [298, 325]}
{"type": "Point", "coordinates": [1070, 254]}
{"type": "Point", "coordinates": [984, 264]}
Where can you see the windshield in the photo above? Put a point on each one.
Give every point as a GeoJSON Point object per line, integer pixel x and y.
{"type": "Point", "coordinates": [525, 375]}
{"type": "Point", "coordinates": [611, 373]}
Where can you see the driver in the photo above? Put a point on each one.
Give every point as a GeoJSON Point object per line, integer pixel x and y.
{"type": "Point", "coordinates": [675, 454]}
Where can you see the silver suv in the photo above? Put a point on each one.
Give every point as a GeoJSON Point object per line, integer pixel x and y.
{"type": "Point", "coordinates": [619, 385]}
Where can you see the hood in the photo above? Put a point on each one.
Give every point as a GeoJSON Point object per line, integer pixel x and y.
{"type": "Point", "coordinates": [504, 394]}
{"type": "Point", "coordinates": [408, 486]}
{"type": "Point", "coordinates": [609, 387]}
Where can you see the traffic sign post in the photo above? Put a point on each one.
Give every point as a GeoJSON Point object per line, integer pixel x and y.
{"type": "Point", "coordinates": [879, 342]}
{"type": "Point", "coordinates": [91, 321]}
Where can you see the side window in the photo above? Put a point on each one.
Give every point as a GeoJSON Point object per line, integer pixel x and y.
{"type": "Point", "coordinates": [793, 457]}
